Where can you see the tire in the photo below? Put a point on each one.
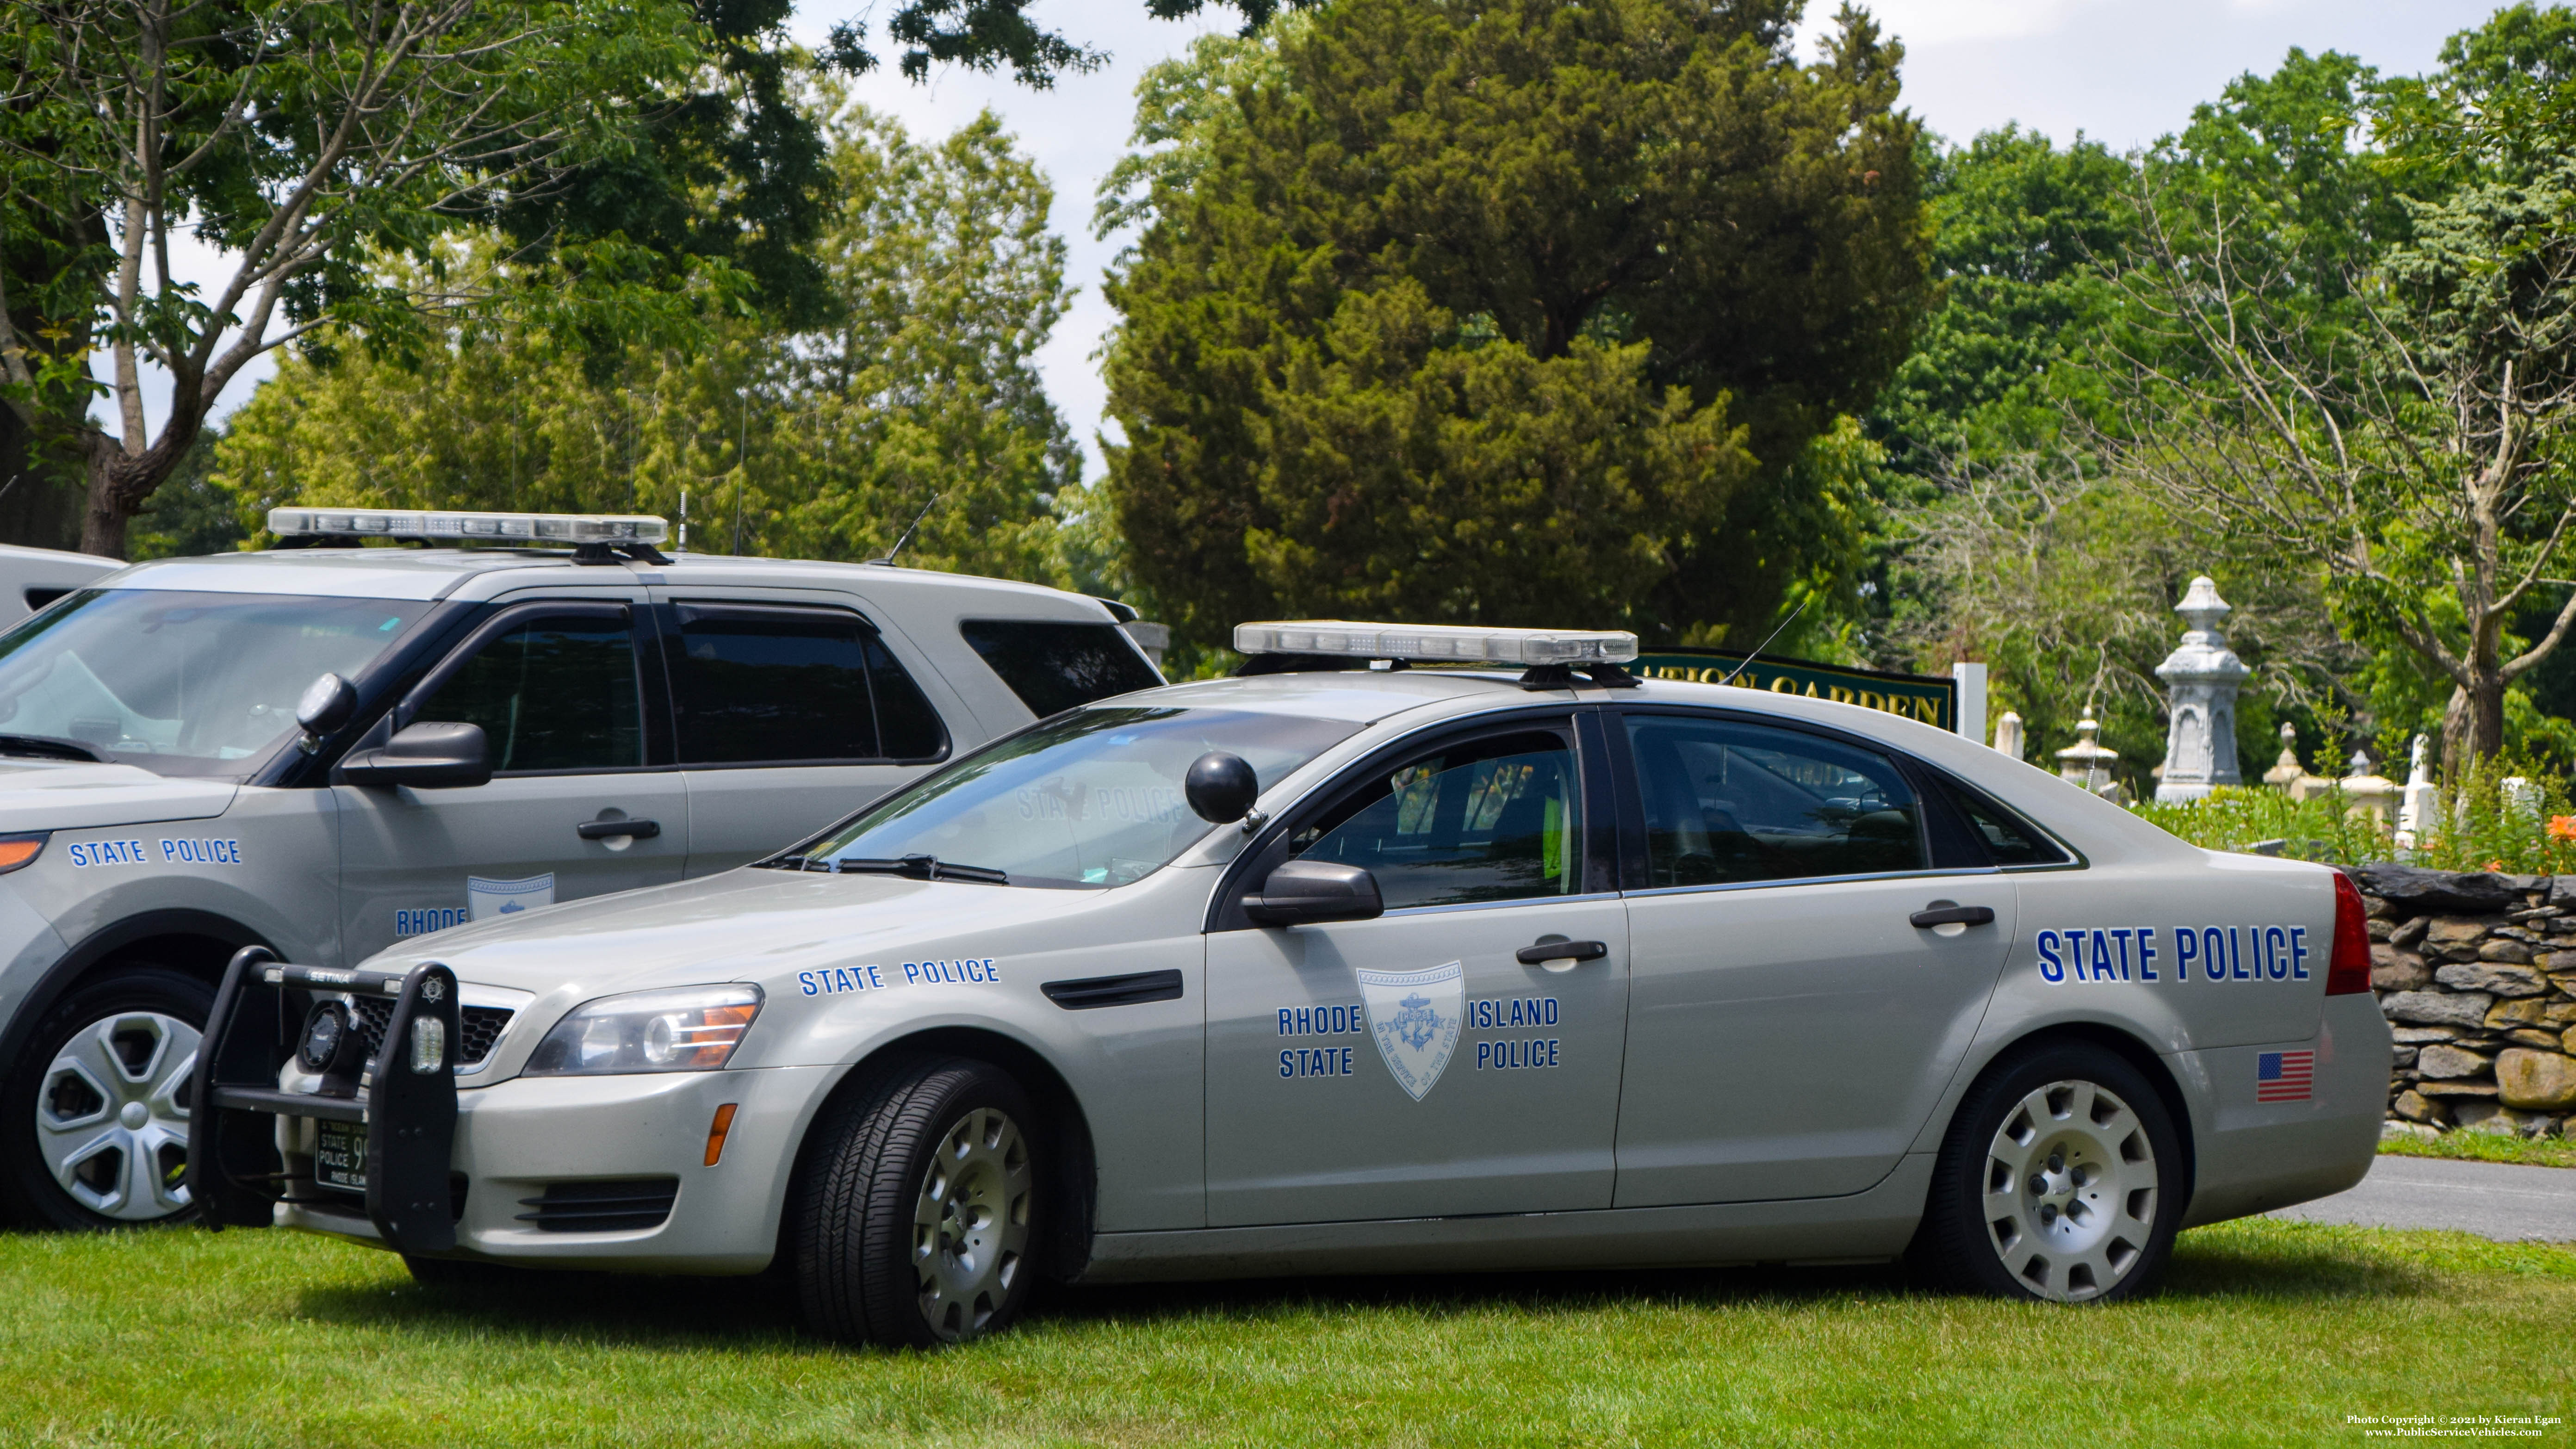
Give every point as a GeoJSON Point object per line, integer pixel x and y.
{"type": "Point", "coordinates": [93, 1115]}
{"type": "Point", "coordinates": [2060, 1180]}
{"type": "Point", "coordinates": [917, 1216]}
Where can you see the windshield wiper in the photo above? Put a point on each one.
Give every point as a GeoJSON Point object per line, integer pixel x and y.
{"type": "Point", "coordinates": [54, 747]}
{"type": "Point", "coordinates": [922, 867]}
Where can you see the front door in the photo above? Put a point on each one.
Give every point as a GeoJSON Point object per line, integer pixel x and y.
{"type": "Point", "coordinates": [1791, 1027]}
{"type": "Point", "coordinates": [572, 808]}
{"type": "Point", "coordinates": [1417, 1064]}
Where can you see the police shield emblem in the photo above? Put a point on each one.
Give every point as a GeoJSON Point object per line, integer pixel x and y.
{"type": "Point", "coordinates": [485, 899]}
{"type": "Point", "coordinates": [1415, 1016]}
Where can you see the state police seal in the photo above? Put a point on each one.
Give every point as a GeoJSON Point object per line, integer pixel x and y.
{"type": "Point", "coordinates": [1415, 1016]}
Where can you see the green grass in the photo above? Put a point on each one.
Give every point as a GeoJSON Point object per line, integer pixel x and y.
{"type": "Point", "coordinates": [2269, 1332]}
{"type": "Point", "coordinates": [2485, 1147]}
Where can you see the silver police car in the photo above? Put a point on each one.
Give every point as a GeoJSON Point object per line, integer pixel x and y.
{"type": "Point", "coordinates": [1349, 966]}
{"type": "Point", "coordinates": [483, 730]}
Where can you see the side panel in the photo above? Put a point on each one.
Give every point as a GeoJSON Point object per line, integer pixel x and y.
{"type": "Point", "coordinates": [2257, 1155]}
{"type": "Point", "coordinates": [270, 863]}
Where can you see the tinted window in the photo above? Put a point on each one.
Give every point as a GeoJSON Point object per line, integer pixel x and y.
{"type": "Point", "coordinates": [550, 694]}
{"type": "Point", "coordinates": [2007, 838]}
{"type": "Point", "coordinates": [761, 685]}
{"type": "Point", "coordinates": [1737, 802]}
{"type": "Point", "coordinates": [1490, 820]}
{"type": "Point", "coordinates": [1055, 666]}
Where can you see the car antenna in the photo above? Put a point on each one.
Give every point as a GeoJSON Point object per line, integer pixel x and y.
{"type": "Point", "coordinates": [907, 532]}
{"type": "Point", "coordinates": [1765, 644]}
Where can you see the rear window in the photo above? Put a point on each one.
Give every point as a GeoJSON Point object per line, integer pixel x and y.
{"type": "Point", "coordinates": [776, 684]}
{"type": "Point", "coordinates": [1055, 666]}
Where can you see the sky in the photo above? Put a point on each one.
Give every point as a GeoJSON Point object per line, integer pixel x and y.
{"type": "Point", "coordinates": [2120, 71]}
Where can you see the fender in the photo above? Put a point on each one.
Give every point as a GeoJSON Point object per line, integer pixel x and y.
{"type": "Point", "coordinates": [107, 941]}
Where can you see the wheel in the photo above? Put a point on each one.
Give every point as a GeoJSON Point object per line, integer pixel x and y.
{"type": "Point", "coordinates": [919, 1206]}
{"type": "Point", "coordinates": [94, 1115]}
{"type": "Point", "coordinates": [2060, 1180]}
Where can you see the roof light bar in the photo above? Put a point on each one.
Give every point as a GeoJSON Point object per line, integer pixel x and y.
{"type": "Point", "coordinates": [571, 528]}
{"type": "Point", "coordinates": [1437, 643]}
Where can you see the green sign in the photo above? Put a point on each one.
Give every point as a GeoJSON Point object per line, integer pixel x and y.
{"type": "Point", "coordinates": [1924, 697]}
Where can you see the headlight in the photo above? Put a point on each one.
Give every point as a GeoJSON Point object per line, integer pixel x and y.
{"type": "Point", "coordinates": [694, 1029]}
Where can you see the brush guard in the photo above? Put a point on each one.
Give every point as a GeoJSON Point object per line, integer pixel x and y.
{"type": "Point", "coordinates": [405, 1099]}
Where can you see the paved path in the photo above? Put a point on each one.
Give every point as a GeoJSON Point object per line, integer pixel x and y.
{"type": "Point", "coordinates": [2492, 1199]}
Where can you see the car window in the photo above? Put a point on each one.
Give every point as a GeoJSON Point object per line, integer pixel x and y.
{"type": "Point", "coordinates": [1052, 665]}
{"type": "Point", "coordinates": [2008, 839]}
{"type": "Point", "coordinates": [1490, 820]}
{"type": "Point", "coordinates": [770, 685]}
{"type": "Point", "coordinates": [551, 694]}
{"type": "Point", "coordinates": [180, 682]}
{"type": "Point", "coordinates": [1727, 802]}
{"type": "Point", "coordinates": [1090, 799]}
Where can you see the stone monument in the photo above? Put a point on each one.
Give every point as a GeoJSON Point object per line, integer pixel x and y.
{"type": "Point", "coordinates": [2419, 803]}
{"type": "Point", "coordinates": [2203, 675]}
{"type": "Point", "coordinates": [2086, 764]}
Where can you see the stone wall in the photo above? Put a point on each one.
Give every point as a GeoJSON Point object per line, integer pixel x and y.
{"type": "Point", "coordinates": [2477, 975]}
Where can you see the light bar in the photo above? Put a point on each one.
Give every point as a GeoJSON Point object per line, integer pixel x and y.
{"type": "Point", "coordinates": [1439, 643]}
{"type": "Point", "coordinates": [470, 527]}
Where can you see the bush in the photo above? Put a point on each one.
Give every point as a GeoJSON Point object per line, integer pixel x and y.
{"type": "Point", "coordinates": [2477, 826]}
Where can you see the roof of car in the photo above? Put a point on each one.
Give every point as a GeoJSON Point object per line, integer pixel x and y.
{"type": "Point", "coordinates": [438, 573]}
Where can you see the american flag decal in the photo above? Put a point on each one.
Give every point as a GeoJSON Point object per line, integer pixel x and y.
{"type": "Point", "coordinates": [2284, 1076]}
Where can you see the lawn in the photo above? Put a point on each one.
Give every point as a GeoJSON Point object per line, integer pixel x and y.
{"type": "Point", "coordinates": [2485, 1147]}
{"type": "Point", "coordinates": [2270, 1332]}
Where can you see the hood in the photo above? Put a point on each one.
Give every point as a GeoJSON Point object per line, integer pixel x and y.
{"type": "Point", "coordinates": [743, 925]}
{"type": "Point", "coordinates": [68, 795]}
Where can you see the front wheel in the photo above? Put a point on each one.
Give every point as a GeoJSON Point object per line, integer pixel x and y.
{"type": "Point", "coordinates": [2060, 1180]}
{"type": "Point", "coordinates": [94, 1114]}
{"type": "Point", "coordinates": [918, 1209]}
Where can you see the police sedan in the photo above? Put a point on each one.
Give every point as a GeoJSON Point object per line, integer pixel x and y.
{"type": "Point", "coordinates": [1349, 964]}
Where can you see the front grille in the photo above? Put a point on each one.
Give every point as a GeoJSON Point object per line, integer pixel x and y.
{"type": "Point", "coordinates": [620, 1205]}
{"type": "Point", "coordinates": [481, 1026]}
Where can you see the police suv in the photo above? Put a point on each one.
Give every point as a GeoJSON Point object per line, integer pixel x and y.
{"type": "Point", "coordinates": [1343, 965]}
{"type": "Point", "coordinates": [553, 711]}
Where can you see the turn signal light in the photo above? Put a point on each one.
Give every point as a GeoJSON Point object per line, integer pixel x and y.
{"type": "Point", "coordinates": [18, 850]}
{"type": "Point", "coordinates": [2348, 972]}
{"type": "Point", "coordinates": [716, 1131]}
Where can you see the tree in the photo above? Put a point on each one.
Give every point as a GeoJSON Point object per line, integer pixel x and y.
{"type": "Point", "coordinates": [2382, 402]}
{"type": "Point", "coordinates": [920, 404]}
{"type": "Point", "coordinates": [1573, 293]}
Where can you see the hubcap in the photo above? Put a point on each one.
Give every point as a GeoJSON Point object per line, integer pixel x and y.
{"type": "Point", "coordinates": [970, 1226]}
{"type": "Point", "coordinates": [2070, 1191]}
{"type": "Point", "coordinates": [112, 1115]}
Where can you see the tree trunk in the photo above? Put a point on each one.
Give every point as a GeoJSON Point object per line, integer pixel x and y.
{"type": "Point", "coordinates": [2473, 722]}
{"type": "Point", "coordinates": [120, 483]}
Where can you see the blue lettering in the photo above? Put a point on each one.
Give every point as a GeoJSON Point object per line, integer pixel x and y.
{"type": "Point", "coordinates": [2236, 958]}
{"type": "Point", "coordinates": [2122, 936]}
{"type": "Point", "coordinates": [2050, 968]}
{"type": "Point", "coordinates": [2102, 958]}
{"type": "Point", "coordinates": [2075, 954]}
{"type": "Point", "coordinates": [2146, 953]}
{"type": "Point", "coordinates": [2186, 951]}
{"type": "Point", "coordinates": [2274, 938]}
{"type": "Point", "coordinates": [2213, 953]}
{"type": "Point", "coordinates": [1287, 1063]}
{"type": "Point", "coordinates": [2299, 953]}
{"type": "Point", "coordinates": [912, 971]}
{"type": "Point", "coordinates": [805, 982]}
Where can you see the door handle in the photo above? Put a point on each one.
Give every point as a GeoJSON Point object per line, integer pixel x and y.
{"type": "Point", "coordinates": [1945, 913]}
{"type": "Point", "coordinates": [611, 829]}
{"type": "Point", "coordinates": [1549, 952]}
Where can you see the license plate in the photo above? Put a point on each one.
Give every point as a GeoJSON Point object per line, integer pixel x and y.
{"type": "Point", "coordinates": [340, 1155]}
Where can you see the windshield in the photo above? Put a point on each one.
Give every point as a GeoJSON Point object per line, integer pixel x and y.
{"type": "Point", "coordinates": [182, 683]}
{"type": "Point", "coordinates": [1088, 799]}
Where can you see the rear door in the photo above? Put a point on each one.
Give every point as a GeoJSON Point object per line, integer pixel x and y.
{"type": "Point", "coordinates": [1790, 1028]}
{"type": "Point", "coordinates": [789, 716]}
{"type": "Point", "coordinates": [577, 805]}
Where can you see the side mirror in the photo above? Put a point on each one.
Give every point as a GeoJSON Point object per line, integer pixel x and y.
{"type": "Point", "coordinates": [327, 704]}
{"type": "Point", "coordinates": [1308, 892]}
{"type": "Point", "coordinates": [1221, 787]}
{"type": "Point", "coordinates": [425, 756]}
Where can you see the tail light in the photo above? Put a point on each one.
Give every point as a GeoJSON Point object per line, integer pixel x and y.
{"type": "Point", "coordinates": [2348, 971]}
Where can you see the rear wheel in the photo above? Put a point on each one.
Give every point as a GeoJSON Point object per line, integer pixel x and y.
{"type": "Point", "coordinates": [2059, 1180]}
{"type": "Point", "coordinates": [919, 1207]}
{"type": "Point", "coordinates": [94, 1114]}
